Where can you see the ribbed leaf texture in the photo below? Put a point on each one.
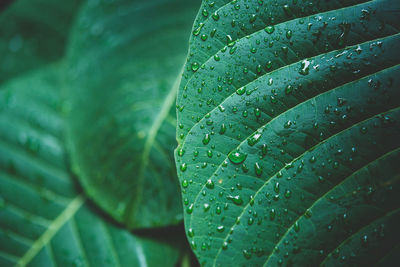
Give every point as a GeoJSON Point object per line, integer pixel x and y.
{"type": "Point", "coordinates": [288, 132]}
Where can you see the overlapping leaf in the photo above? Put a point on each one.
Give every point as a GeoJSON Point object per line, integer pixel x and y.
{"type": "Point", "coordinates": [288, 116]}
{"type": "Point", "coordinates": [44, 219]}
{"type": "Point", "coordinates": [125, 57]}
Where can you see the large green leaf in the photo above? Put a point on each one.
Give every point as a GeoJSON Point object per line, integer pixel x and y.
{"type": "Point", "coordinates": [125, 57]}
{"type": "Point", "coordinates": [44, 219]}
{"type": "Point", "coordinates": [33, 33]}
{"type": "Point", "coordinates": [288, 115]}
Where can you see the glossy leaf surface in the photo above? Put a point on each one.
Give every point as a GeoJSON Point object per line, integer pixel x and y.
{"type": "Point", "coordinates": [288, 116]}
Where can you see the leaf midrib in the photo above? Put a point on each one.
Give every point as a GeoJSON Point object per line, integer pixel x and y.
{"type": "Point", "coordinates": [70, 210]}
{"type": "Point", "coordinates": [132, 206]}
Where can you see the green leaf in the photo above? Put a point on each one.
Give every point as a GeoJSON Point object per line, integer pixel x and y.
{"type": "Point", "coordinates": [289, 116]}
{"type": "Point", "coordinates": [44, 219]}
{"type": "Point", "coordinates": [33, 33]}
{"type": "Point", "coordinates": [124, 61]}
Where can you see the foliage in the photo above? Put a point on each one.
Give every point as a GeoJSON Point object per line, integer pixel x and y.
{"type": "Point", "coordinates": [288, 133]}
{"type": "Point", "coordinates": [285, 119]}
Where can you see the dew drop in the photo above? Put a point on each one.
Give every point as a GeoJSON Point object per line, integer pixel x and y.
{"type": "Point", "coordinates": [254, 138]}
{"type": "Point", "coordinates": [235, 199]}
{"type": "Point", "coordinates": [305, 67]}
{"type": "Point", "coordinates": [183, 167]}
{"type": "Point", "coordinates": [269, 29]}
{"type": "Point", "coordinates": [190, 232]}
{"type": "Point", "coordinates": [206, 139]}
{"type": "Point", "coordinates": [220, 228]}
{"type": "Point", "coordinates": [210, 184]}
{"type": "Point", "coordinates": [195, 66]}
{"type": "Point", "coordinates": [222, 130]}
{"type": "Point", "coordinates": [237, 157]}
{"type": "Point", "coordinates": [241, 90]}
{"type": "Point", "coordinates": [258, 169]}
{"type": "Point", "coordinates": [246, 254]}
{"type": "Point", "coordinates": [189, 209]}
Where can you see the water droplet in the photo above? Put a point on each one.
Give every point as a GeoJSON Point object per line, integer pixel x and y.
{"type": "Point", "coordinates": [259, 69]}
{"type": "Point", "coordinates": [254, 138]}
{"type": "Point", "coordinates": [195, 66]}
{"type": "Point", "coordinates": [246, 254]}
{"type": "Point", "coordinates": [210, 184]}
{"type": "Point", "coordinates": [229, 41]}
{"type": "Point", "coordinates": [288, 89]}
{"type": "Point", "coordinates": [287, 10]}
{"type": "Point", "coordinates": [270, 29]}
{"type": "Point", "coordinates": [198, 29]}
{"type": "Point", "coordinates": [222, 129]}
{"type": "Point", "coordinates": [235, 199]}
{"type": "Point", "coordinates": [241, 90]}
{"type": "Point", "coordinates": [272, 214]}
{"type": "Point", "coordinates": [206, 207]}
{"type": "Point", "coordinates": [276, 187]}
{"type": "Point", "coordinates": [190, 232]}
{"type": "Point", "coordinates": [220, 228]}
{"type": "Point", "coordinates": [215, 16]}
{"type": "Point", "coordinates": [258, 169]}
{"type": "Point", "coordinates": [264, 149]}
{"type": "Point", "coordinates": [193, 245]}
{"type": "Point", "coordinates": [253, 18]}
{"type": "Point", "coordinates": [305, 67]}
{"type": "Point", "coordinates": [189, 209]}
{"type": "Point", "coordinates": [288, 193]}
{"type": "Point", "coordinates": [268, 65]}
{"type": "Point", "coordinates": [218, 210]}
{"type": "Point", "coordinates": [363, 130]}
{"type": "Point", "coordinates": [237, 157]}
{"type": "Point", "coordinates": [183, 167]}
{"type": "Point", "coordinates": [206, 139]}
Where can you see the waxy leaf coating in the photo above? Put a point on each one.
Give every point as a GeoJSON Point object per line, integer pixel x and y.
{"type": "Point", "coordinates": [291, 111]}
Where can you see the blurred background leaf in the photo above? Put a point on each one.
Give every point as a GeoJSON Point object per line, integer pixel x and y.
{"type": "Point", "coordinates": [33, 33]}
{"type": "Point", "coordinates": [45, 220]}
{"type": "Point", "coordinates": [45, 217]}
{"type": "Point", "coordinates": [4, 4]}
{"type": "Point", "coordinates": [124, 58]}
